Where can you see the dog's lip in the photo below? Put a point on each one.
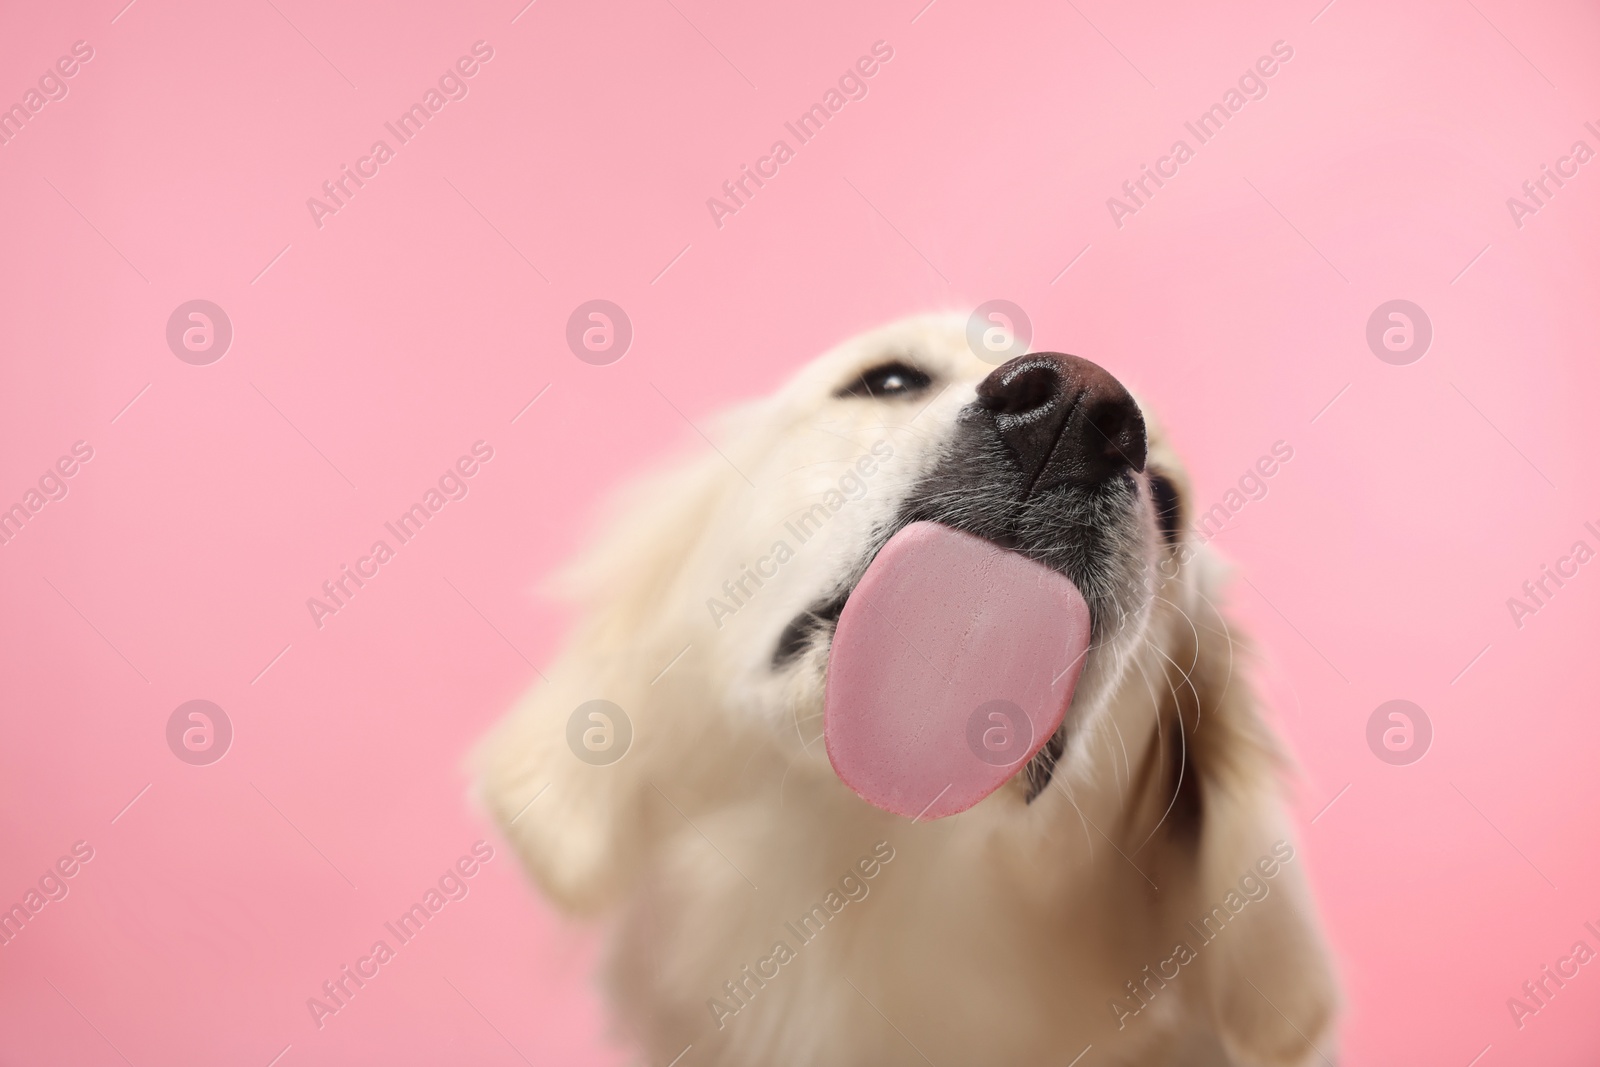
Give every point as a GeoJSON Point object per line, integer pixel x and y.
{"type": "Point", "coordinates": [822, 616]}
{"type": "Point", "coordinates": [796, 636]}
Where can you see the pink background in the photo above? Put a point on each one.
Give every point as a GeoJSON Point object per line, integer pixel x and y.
{"type": "Point", "coordinates": [416, 321]}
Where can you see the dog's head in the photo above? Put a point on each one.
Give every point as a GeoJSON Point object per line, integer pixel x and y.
{"type": "Point", "coordinates": [708, 607]}
{"type": "Point", "coordinates": [1047, 455]}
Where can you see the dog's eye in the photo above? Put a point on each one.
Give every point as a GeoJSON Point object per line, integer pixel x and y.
{"type": "Point", "coordinates": [888, 380]}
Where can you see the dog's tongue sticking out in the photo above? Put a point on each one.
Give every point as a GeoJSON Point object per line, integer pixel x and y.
{"type": "Point", "coordinates": [953, 663]}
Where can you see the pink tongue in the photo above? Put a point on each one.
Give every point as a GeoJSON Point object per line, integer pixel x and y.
{"type": "Point", "coordinates": [953, 663]}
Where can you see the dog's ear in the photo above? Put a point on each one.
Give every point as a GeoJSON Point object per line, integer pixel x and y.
{"type": "Point", "coordinates": [1272, 994]}
{"type": "Point", "coordinates": [576, 820]}
{"type": "Point", "coordinates": [571, 822]}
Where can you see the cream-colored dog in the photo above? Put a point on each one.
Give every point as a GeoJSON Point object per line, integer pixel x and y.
{"type": "Point", "coordinates": [1130, 891]}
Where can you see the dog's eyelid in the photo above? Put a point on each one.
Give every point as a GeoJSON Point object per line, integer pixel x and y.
{"type": "Point", "coordinates": [893, 378]}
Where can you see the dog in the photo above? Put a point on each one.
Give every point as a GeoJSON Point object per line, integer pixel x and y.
{"type": "Point", "coordinates": [1128, 894]}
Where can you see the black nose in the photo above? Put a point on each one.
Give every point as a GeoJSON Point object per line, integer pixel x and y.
{"type": "Point", "coordinates": [1065, 419]}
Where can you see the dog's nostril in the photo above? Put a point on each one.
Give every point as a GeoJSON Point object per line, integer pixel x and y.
{"type": "Point", "coordinates": [1120, 429]}
{"type": "Point", "coordinates": [1023, 390]}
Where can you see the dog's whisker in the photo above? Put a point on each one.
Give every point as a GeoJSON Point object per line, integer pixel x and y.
{"type": "Point", "coordinates": [1183, 766]}
{"type": "Point", "coordinates": [1185, 680]}
{"type": "Point", "coordinates": [784, 780]}
{"type": "Point", "coordinates": [1083, 820]}
{"type": "Point", "coordinates": [799, 735]}
{"type": "Point", "coordinates": [1126, 777]}
{"type": "Point", "coordinates": [1155, 701]}
{"type": "Point", "coordinates": [1194, 632]}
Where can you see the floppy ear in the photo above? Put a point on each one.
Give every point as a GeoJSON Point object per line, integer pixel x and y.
{"type": "Point", "coordinates": [572, 823]}
{"type": "Point", "coordinates": [1272, 994]}
{"type": "Point", "coordinates": [579, 824]}
{"type": "Point", "coordinates": [1273, 997]}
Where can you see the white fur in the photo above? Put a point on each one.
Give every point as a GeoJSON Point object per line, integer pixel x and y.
{"type": "Point", "coordinates": [1000, 936]}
